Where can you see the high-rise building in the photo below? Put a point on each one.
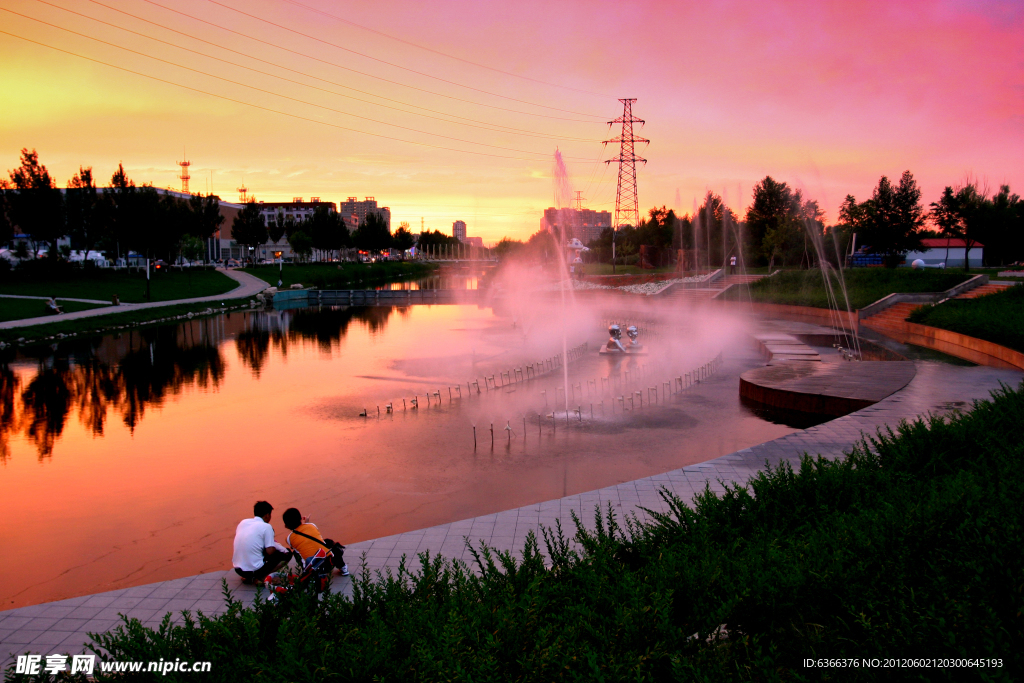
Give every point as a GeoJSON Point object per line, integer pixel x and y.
{"type": "Point", "coordinates": [360, 209]}
{"type": "Point", "coordinates": [584, 224]}
{"type": "Point", "coordinates": [459, 230]}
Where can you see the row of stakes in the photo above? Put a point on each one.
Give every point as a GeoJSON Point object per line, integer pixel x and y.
{"type": "Point", "coordinates": [676, 385]}
{"type": "Point", "coordinates": [494, 382]}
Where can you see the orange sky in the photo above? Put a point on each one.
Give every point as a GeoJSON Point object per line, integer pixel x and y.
{"type": "Point", "coordinates": [826, 96]}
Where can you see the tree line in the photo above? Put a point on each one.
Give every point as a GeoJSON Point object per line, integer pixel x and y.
{"type": "Point", "coordinates": [781, 227]}
{"type": "Point", "coordinates": [121, 218]}
{"type": "Point", "coordinates": [324, 234]}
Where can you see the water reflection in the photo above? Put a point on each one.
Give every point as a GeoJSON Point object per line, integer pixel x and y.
{"type": "Point", "coordinates": [325, 327]}
{"type": "Point", "coordinates": [129, 374]}
{"type": "Point", "coordinates": [122, 375]}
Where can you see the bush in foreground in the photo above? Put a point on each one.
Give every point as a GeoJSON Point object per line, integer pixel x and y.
{"type": "Point", "coordinates": [908, 547]}
{"type": "Point", "coordinates": [998, 318]}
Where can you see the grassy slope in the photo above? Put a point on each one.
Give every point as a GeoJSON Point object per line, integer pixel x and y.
{"type": "Point", "coordinates": [342, 275]}
{"type": "Point", "coordinates": [18, 309]}
{"type": "Point", "coordinates": [102, 284]}
{"type": "Point", "coordinates": [864, 286]}
{"type": "Point", "coordinates": [97, 324]}
{"type": "Point", "coordinates": [909, 548]}
{"type": "Point", "coordinates": [997, 318]}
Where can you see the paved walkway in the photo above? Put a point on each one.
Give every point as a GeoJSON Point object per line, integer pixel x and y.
{"type": "Point", "coordinates": [248, 285]}
{"type": "Point", "coordinates": [61, 627]}
{"type": "Point", "coordinates": [59, 298]}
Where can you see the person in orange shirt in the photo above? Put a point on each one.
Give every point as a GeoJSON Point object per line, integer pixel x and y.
{"type": "Point", "coordinates": [306, 540]}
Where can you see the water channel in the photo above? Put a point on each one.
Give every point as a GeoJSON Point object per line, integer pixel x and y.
{"type": "Point", "coordinates": [137, 454]}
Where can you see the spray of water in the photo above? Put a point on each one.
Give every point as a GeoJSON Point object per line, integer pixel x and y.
{"type": "Point", "coordinates": [567, 218]}
{"type": "Point", "coordinates": [847, 339]}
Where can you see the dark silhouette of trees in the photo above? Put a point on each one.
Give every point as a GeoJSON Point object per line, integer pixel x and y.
{"type": "Point", "coordinates": [402, 240]}
{"type": "Point", "coordinates": [967, 212]}
{"type": "Point", "coordinates": [373, 234]}
{"type": "Point", "coordinates": [327, 231]}
{"type": "Point", "coordinates": [36, 205]}
{"type": "Point", "coordinates": [887, 224]}
{"type": "Point", "coordinates": [302, 244]}
{"type": "Point", "coordinates": [248, 228]}
{"type": "Point", "coordinates": [279, 226]}
{"type": "Point", "coordinates": [86, 218]}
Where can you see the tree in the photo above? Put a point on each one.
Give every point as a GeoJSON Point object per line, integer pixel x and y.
{"type": "Point", "coordinates": [327, 230]}
{"type": "Point", "coordinates": [85, 216]}
{"type": "Point", "coordinates": [403, 239]}
{"type": "Point", "coordinates": [37, 206]}
{"type": "Point", "coordinates": [507, 247]}
{"type": "Point", "coordinates": [965, 212]}
{"type": "Point", "coordinates": [1004, 239]}
{"type": "Point", "coordinates": [119, 207]}
{"type": "Point", "coordinates": [205, 217]}
{"type": "Point", "coordinates": [192, 248]}
{"type": "Point", "coordinates": [715, 220]}
{"type": "Point", "coordinates": [889, 222]}
{"type": "Point", "coordinates": [373, 234]}
{"type": "Point", "coordinates": [768, 218]}
{"type": "Point", "coordinates": [6, 219]}
{"type": "Point", "coordinates": [302, 244]}
{"type": "Point", "coordinates": [279, 226]}
{"type": "Point", "coordinates": [248, 228]}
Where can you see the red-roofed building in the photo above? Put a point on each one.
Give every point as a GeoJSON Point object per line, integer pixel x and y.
{"type": "Point", "coordinates": [948, 250]}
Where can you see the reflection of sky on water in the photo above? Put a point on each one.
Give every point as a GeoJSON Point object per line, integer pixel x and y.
{"type": "Point", "coordinates": [143, 450]}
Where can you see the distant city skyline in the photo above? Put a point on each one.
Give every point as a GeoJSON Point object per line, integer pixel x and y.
{"type": "Point", "coordinates": [454, 110]}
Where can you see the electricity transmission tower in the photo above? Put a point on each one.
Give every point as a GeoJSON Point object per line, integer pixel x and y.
{"type": "Point", "coordinates": [627, 204]}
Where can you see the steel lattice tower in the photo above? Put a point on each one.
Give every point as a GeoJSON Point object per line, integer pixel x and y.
{"type": "Point", "coordinates": [627, 203]}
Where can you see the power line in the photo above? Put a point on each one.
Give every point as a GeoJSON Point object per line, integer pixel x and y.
{"type": "Point", "coordinates": [269, 92]}
{"type": "Point", "coordinates": [497, 128]}
{"type": "Point", "coordinates": [376, 59]}
{"type": "Point", "coordinates": [329, 63]}
{"type": "Point", "coordinates": [438, 52]}
{"type": "Point", "coordinates": [268, 109]}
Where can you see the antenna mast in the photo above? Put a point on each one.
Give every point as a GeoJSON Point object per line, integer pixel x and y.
{"type": "Point", "coordinates": [627, 204]}
{"type": "Point", "coordinates": [184, 173]}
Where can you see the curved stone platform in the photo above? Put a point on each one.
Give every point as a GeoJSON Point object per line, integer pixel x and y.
{"type": "Point", "coordinates": [833, 389]}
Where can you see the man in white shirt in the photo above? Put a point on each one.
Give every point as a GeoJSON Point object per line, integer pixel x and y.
{"type": "Point", "coordinates": [256, 553]}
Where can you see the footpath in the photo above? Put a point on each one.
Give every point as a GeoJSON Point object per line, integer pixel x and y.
{"type": "Point", "coordinates": [61, 627]}
{"type": "Point", "coordinates": [248, 285]}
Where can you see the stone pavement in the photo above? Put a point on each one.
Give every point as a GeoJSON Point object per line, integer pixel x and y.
{"type": "Point", "coordinates": [59, 298]}
{"type": "Point", "coordinates": [61, 627]}
{"type": "Point", "coordinates": [248, 285]}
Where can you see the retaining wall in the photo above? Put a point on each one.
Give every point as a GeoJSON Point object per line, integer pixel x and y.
{"type": "Point", "coordinates": [960, 345]}
{"type": "Point", "coordinates": [803, 314]}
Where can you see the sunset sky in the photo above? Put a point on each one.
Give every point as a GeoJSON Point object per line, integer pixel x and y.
{"type": "Point", "coordinates": [453, 109]}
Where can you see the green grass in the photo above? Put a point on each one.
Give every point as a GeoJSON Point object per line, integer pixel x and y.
{"type": "Point", "coordinates": [102, 324]}
{"type": "Point", "coordinates": [864, 286]}
{"type": "Point", "coordinates": [998, 318]}
{"type": "Point", "coordinates": [908, 547]}
{"type": "Point", "coordinates": [19, 309]}
{"type": "Point", "coordinates": [130, 287]}
{"type": "Point", "coordinates": [342, 275]}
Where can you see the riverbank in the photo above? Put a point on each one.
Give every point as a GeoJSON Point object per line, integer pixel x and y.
{"type": "Point", "coordinates": [106, 319]}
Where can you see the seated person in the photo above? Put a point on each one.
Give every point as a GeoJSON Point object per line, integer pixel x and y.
{"type": "Point", "coordinates": [305, 539]}
{"type": "Point", "coordinates": [257, 554]}
{"type": "Point", "coordinates": [52, 307]}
